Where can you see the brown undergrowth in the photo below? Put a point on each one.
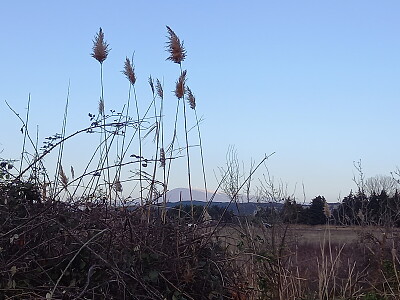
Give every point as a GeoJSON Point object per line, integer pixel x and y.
{"type": "Point", "coordinates": [87, 250]}
{"type": "Point", "coordinates": [90, 250]}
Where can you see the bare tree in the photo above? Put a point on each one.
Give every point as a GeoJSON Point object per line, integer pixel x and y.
{"type": "Point", "coordinates": [232, 175]}
{"type": "Point", "coordinates": [377, 184]}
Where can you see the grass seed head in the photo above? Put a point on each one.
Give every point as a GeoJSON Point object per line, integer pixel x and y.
{"type": "Point", "coordinates": [327, 211]}
{"type": "Point", "coordinates": [180, 86]}
{"type": "Point", "coordinates": [190, 97]}
{"type": "Point", "coordinates": [63, 177]}
{"type": "Point", "coordinates": [129, 71]}
{"type": "Point", "coordinates": [151, 83]}
{"type": "Point", "coordinates": [177, 52]}
{"type": "Point", "coordinates": [159, 88]}
{"type": "Point", "coordinates": [100, 47]}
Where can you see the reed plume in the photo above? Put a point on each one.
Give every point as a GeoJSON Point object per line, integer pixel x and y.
{"type": "Point", "coordinates": [151, 83]}
{"type": "Point", "coordinates": [180, 85]}
{"type": "Point", "coordinates": [100, 47]}
{"type": "Point", "coordinates": [327, 211]}
{"type": "Point", "coordinates": [63, 177]}
{"type": "Point", "coordinates": [129, 71]}
{"type": "Point", "coordinates": [159, 88]}
{"type": "Point", "coordinates": [175, 47]}
{"type": "Point", "coordinates": [190, 97]}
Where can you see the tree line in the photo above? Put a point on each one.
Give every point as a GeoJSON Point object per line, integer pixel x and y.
{"type": "Point", "coordinates": [378, 209]}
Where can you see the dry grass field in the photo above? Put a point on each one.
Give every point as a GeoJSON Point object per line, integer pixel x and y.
{"type": "Point", "coordinates": [316, 262]}
{"type": "Point", "coordinates": [314, 235]}
{"type": "Point", "coordinates": [340, 234]}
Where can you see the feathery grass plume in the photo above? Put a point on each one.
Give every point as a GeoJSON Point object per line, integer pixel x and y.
{"type": "Point", "coordinates": [162, 158]}
{"type": "Point", "coordinates": [175, 47]}
{"type": "Point", "coordinates": [63, 177]}
{"type": "Point", "coordinates": [151, 83]}
{"type": "Point", "coordinates": [327, 211]}
{"type": "Point", "coordinates": [100, 47]}
{"type": "Point", "coordinates": [101, 107]}
{"type": "Point", "coordinates": [129, 71]}
{"type": "Point", "coordinates": [190, 97]}
{"type": "Point", "coordinates": [180, 86]}
{"type": "Point", "coordinates": [160, 91]}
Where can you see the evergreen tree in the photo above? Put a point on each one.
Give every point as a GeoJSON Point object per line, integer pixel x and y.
{"type": "Point", "coordinates": [292, 212]}
{"type": "Point", "coordinates": [315, 213]}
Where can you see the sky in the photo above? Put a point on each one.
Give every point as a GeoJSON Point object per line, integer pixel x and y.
{"type": "Point", "coordinates": [314, 82]}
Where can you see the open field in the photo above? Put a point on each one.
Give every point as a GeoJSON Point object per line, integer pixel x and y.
{"type": "Point", "coordinates": [339, 234]}
{"type": "Point", "coordinates": [315, 235]}
{"type": "Point", "coordinates": [316, 262]}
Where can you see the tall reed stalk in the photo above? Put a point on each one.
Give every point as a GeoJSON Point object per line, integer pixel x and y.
{"type": "Point", "coordinates": [129, 72]}
{"type": "Point", "coordinates": [192, 103]}
{"type": "Point", "coordinates": [59, 170]}
{"type": "Point", "coordinates": [25, 131]}
{"type": "Point", "coordinates": [157, 116]}
{"type": "Point", "coordinates": [100, 53]}
{"type": "Point", "coordinates": [177, 55]}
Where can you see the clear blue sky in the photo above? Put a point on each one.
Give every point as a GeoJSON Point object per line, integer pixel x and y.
{"type": "Point", "coordinates": [317, 82]}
